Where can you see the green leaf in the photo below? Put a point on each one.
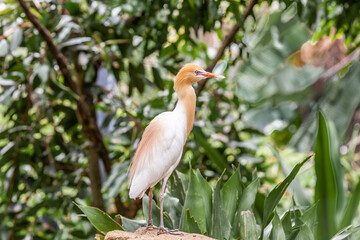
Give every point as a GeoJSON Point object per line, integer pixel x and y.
{"type": "Point", "coordinates": [206, 193]}
{"type": "Point", "coordinates": [352, 207]}
{"type": "Point", "coordinates": [131, 225]}
{"type": "Point", "coordinates": [4, 48]}
{"type": "Point", "coordinates": [191, 224]}
{"type": "Point", "coordinates": [345, 233]}
{"type": "Point", "coordinates": [305, 233]}
{"type": "Point", "coordinates": [277, 231]}
{"type": "Point", "coordinates": [16, 39]}
{"type": "Point", "coordinates": [329, 178]}
{"type": "Point", "coordinates": [101, 221]}
{"type": "Point", "coordinates": [230, 194]}
{"type": "Point", "coordinates": [248, 227]}
{"type": "Point", "coordinates": [220, 223]}
{"type": "Point", "coordinates": [247, 199]}
{"type": "Point", "coordinates": [176, 187]}
{"type": "Point", "coordinates": [309, 217]}
{"type": "Point", "coordinates": [248, 196]}
{"type": "Point", "coordinates": [157, 78]}
{"type": "Point", "coordinates": [215, 157]}
{"type": "Point", "coordinates": [194, 202]}
{"type": "Point", "coordinates": [299, 193]}
{"type": "Point", "coordinates": [275, 195]}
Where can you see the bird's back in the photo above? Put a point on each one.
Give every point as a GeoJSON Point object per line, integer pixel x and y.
{"type": "Point", "coordinates": [158, 153]}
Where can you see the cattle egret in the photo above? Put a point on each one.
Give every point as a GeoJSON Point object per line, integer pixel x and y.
{"type": "Point", "coordinates": [161, 146]}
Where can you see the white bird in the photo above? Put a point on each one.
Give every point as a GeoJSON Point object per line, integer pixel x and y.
{"type": "Point", "coordinates": [161, 146]}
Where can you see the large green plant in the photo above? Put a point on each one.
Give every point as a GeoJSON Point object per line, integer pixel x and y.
{"type": "Point", "coordinates": [232, 210]}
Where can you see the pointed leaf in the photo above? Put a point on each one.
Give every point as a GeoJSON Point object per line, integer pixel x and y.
{"type": "Point", "coordinates": [299, 193]}
{"type": "Point", "coordinates": [220, 223]}
{"type": "Point", "coordinates": [277, 231]}
{"type": "Point", "coordinates": [275, 195]}
{"type": "Point", "coordinates": [177, 187]}
{"type": "Point", "coordinates": [101, 221]}
{"type": "Point", "coordinates": [248, 227]}
{"type": "Point", "coordinates": [352, 207]}
{"type": "Point", "coordinates": [206, 193]}
{"type": "Point", "coordinates": [195, 204]}
{"type": "Point", "coordinates": [230, 194]}
{"type": "Point", "coordinates": [344, 233]}
{"type": "Point", "coordinates": [248, 196]}
{"type": "Point", "coordinates": [327, 178]}
{"type": "Point", "coordinates": [191, 224]}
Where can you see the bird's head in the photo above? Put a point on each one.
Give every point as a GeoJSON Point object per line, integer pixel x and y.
{"type": "Point", "coordinates": [192, 73]}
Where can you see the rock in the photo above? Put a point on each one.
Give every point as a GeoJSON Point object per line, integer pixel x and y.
{"type": "Point", "coordinates": [151, 234]}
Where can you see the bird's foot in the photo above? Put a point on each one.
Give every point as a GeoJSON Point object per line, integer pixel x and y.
{"type": "Point", "coordinates": [163, 230]}
{"type": "Point", "coordinates": [149, 227]}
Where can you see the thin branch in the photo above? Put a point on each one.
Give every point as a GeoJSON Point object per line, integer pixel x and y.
{"type": "Point", "coordinates": [340, 65]}
{"type": "Point", "coordinates": [228, 39]}
{"type": "Point", "coordinates": [55, 51]}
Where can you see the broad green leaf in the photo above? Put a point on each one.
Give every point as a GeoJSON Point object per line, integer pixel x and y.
{"type": "Point", "coordinates": [220, 223]}
{"type": "Point", "coordinates": [247, 199]}
{"type": "Point", "coordinates": [329, 178]}
{"type": "Point", "coordinates": [101, 221]}
{"type": "Point", "coordinates": [275, 195]}
{"type": "Point", "coordinates": [248, 195]}
{"type": "Point", "coordinates": [131, 225]}
{"type": "Point", "coordinates": [191, 224]}
{"type": "Point", "coordinates": [248, 227]}
{"type": "Point", "coordinates": [218, 160]}
{"type": "Point", "coordinates": [352, 207]}
{"type": "Point", "coordinates": [195, 203]}
{"type": "Point", "coordinates": [230, 194]}
{"type": "Point", "coordinates": [277, 231]}
{"type": "Point", "coordinates": [176, 187]}
{"type": "Point", "coordinates": [206, 193]}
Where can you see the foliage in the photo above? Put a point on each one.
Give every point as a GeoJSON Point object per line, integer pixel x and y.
{"type": "Point", "coordinates": [231, 210]}
{"type": "Point", "coordinates": [249, 128]}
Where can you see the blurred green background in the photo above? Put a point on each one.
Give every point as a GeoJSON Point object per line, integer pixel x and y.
{"type": "Point", "coordinates": [66, 138]}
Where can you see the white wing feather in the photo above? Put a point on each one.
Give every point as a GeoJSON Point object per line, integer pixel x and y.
{"type": "Point", "coordinates": [160, 156]}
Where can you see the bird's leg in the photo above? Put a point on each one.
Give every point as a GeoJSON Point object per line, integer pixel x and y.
{"type": "Point", "coordinates": [150, 222]}
{"type": "Point", "coordinates": [162, 229]}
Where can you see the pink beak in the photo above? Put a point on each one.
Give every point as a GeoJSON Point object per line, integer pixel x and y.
{"type": "Point", "coordinates": [210, 75]}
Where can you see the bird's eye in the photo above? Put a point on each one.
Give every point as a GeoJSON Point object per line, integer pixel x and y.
{"type": "Point", "coordinates": [196, 72]}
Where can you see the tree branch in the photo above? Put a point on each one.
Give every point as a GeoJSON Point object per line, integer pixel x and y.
{"type": "Point", "coordinates": [228, 39]}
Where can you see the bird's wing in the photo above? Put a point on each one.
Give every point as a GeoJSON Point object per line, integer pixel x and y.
{"type": "Point", "coordinates": [158, 153]}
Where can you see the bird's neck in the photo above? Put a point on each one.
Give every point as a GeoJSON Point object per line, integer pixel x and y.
{"type": "Point", "coordinates": [187, 103]}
